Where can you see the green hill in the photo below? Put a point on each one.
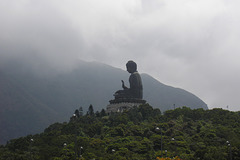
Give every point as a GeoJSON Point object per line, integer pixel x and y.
{"type": "Point", "coordinates": [32, 99]}
{"type": "Point", "coordinates": [136, 134]}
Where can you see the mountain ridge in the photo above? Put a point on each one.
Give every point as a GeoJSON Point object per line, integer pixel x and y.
{"type": "Point", "coordinates": [39, 99]}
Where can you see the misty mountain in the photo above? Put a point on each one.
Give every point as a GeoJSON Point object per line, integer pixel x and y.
{"type": "Point", "coordinates": [30, 100]}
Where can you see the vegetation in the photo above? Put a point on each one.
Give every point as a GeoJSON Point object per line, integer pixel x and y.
{"type": "Point", "coordinates": [36, 99]}
{"type": "Point", "coordinates": [136, 134]}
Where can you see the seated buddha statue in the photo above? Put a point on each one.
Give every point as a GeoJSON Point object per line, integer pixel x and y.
{"type": "Point", "coordinates": [135, 91]}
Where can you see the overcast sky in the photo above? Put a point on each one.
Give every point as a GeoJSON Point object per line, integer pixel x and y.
{"type": "Point", "coordinates": [189, 44]}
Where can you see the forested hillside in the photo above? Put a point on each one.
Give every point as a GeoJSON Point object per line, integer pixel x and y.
{"type": "Point", "coordinates": [30, 100]}
{"type": "Point", "coordinates": [137, 134]}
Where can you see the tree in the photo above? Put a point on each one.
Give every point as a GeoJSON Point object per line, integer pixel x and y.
{"type": "Point", "coordinates": [80, 111]}
{"type": "Point", "coordinates": [77, 113]}
{"type": "Point", "coordinates": [90, 110]}
{"type": "Point", "coordinates": [103, 113]}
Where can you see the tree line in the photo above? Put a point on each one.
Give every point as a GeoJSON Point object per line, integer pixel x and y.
{"type": "Point", "coordinates": [141, 133]}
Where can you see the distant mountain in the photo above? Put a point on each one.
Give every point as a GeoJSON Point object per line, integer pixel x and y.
{"type": "Point", "coordinates": [30, 100]}
{"type": "Point", "coordinates": [166, 97]}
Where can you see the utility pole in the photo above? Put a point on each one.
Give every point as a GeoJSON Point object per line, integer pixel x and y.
{"type": "Point", "coordinates": [230, 150]}
{"type": "Point", "coordinates": [157, 128]}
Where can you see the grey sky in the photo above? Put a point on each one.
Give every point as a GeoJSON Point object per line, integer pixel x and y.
{"type": "Point", "coordinates": [190, 44]}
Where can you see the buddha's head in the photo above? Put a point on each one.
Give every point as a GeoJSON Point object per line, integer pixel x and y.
{"type": "Point", "coordinates": [131, 66]}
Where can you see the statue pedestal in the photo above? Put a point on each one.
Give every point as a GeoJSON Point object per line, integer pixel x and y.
{"type": "Point", "coordinates": [120, 105]}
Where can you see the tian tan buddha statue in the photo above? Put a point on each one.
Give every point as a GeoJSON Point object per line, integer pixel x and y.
{"type": "Point", "coordinates": [128, 97]}
{"type": "Point", "coordinates": [135, 91]}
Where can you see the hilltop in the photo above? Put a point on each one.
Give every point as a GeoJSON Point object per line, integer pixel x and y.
{"type": "Point", "coordinates": [134, 134]}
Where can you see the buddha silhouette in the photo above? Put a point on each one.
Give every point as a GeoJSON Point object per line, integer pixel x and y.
{"type": "Point", "coordinates": [135, 91]}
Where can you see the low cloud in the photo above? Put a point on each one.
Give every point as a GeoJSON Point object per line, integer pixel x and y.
{"type": "Point", "coordinates": [187, 44]}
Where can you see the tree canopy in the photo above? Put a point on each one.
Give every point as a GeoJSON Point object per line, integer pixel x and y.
{"type": "Point", "coordinates": [138, 133]}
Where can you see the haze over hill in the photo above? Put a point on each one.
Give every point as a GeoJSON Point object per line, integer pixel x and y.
{"type": "Point", "coordinates": [30, 100]}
